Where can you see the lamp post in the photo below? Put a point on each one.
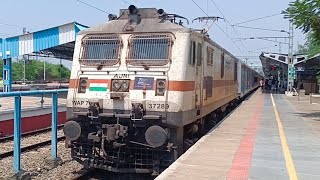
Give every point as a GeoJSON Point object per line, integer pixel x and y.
{"type": "Point", "coordinates": [290, 76]}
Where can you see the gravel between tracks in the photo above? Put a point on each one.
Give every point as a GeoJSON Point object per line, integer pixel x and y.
{"type": "Point", "coordinates": [35, 163]}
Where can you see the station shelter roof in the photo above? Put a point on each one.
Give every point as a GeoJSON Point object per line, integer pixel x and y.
{"type": "Point", "coordinates": [57, 40]}
{"type": "Point", "coordinates": [279, 60]}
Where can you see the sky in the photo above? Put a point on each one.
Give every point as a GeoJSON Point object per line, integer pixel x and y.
{"type": "Point", "coordinates": [38, 14]}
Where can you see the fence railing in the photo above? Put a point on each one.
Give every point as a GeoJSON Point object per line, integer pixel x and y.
{"type": "Point", "coordinates": [17, 121]}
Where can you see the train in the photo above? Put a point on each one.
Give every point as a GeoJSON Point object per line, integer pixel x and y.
{"type": "Point", "coordinates": [142, 86]}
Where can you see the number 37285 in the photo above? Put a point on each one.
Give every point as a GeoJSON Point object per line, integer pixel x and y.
{"type": "Point", "coordinates": [158, 106]}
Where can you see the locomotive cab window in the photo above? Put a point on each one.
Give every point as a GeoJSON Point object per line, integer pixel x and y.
{"type": "Point", "coordinates": [154, 49]}
{"type": "Point", "coordinates": [199, 54]}
{"type": "Point", "coordinates": [100, 50]}
{"type": "Point", "coordinates": [192, 58]}
{"type": "Point", "coordinates": [222, 65]}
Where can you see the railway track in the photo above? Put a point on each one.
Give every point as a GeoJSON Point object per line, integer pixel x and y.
{"type": "Point", "coordinates": [29, 141]}
{"type": "Point", "coordinates": [87, 174]}
{"type": "Point", "coordinates": [31, 147]}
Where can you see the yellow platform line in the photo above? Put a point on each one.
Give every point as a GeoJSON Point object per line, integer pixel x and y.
{"type": "Point", "coordinates": [289, 162]}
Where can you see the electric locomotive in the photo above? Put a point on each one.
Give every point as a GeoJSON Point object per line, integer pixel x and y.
{"type": "Point", "coordinates": [142, 86]}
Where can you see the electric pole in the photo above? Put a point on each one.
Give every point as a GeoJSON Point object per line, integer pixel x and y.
{"type": "Point", "coordinates": [290, 58]}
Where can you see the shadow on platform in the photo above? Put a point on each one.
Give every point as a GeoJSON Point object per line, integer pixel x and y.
{"type": "Point", "coordinates": [314, 115]}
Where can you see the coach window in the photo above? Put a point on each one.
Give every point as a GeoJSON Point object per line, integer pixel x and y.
{"type": "Point", "coordinates": [199, 54]}
{"type": "Point", "coordinates": [222, 65]}
{"type": "Point", "coordinates": [192, 59]}
{"type": "Point", "coordinates": [210, 56]}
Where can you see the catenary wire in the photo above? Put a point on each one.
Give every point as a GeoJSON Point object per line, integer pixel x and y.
{"type": "Point", "coordinates": [227, 21]}
{"type": "Point", "coordinates": [217, 26]}
{"type": "Point", "coordinates": [257, 19]}
{"type": "Point", "coordinates": [93, 6]}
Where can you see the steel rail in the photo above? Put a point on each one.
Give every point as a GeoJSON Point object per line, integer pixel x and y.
{"type": "Point", "coordinates": [31, 147]}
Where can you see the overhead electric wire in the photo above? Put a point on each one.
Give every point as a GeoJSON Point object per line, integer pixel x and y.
{"type": "Point", "coordinates": [227, 21]}
{"type": "Point", "coordinates": [258, 19]}
{"type": "Point", "coordinates": [125, 2]}
{"type": "Point", "coordinates": [262, 48]}
{"type": "Point", "coordinates": [5, 34]}
{"type": "Point", "coordinates": [93, 7]}
{"type": "Point", "coordinates": [217, 25]}
{"type": "Point", "coordinates": [11, 25]}
{"type": "Point", "coordinates": [248, 27]}
{"type": "Point", "coordinates": [3, 23]}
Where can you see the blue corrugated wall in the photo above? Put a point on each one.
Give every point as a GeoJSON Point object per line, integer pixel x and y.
{"type": "Point", "coordinates": [10, 44]}
{"type": "Point", "coordinates": [45, 39]}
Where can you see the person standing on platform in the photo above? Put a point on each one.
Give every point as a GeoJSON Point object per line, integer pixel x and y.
{"type": "Point", "coordinates": [261, 84]}
{"type": "Point", "coordinates": [266, 83]}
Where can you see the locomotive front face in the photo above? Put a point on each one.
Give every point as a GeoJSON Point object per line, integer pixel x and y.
{"type": "Point", "coordinates": [122, 96]}
{"type": "Point", "coordinates": [119, 101]}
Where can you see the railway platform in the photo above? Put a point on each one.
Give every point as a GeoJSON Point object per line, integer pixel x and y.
{"type": "Point", "coordinates": [35, 113]}
{"type": "Point", "coordinates": [269, 136]}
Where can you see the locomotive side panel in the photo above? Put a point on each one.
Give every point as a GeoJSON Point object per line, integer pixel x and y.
{"type": "Point", "coordinates": [220, 76]}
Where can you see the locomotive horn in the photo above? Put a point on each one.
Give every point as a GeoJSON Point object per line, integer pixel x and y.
{"type": "Point", "coordinates": [160, 11]}
{"type": "Point", "coordinates": [112, 17]}
{"type": "Point", "coordinates": [133, 9]}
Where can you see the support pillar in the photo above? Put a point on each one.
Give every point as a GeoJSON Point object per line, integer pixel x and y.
{"type": "Point", "coordinates": [54, 126]}
{"type": "Point", "coordinates": [7, 75]}
{"type": "Point", "coordinates": [17, 135]}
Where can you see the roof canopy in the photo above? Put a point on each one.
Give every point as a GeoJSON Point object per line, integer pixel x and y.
{"type": "Point", "coordinates": [57, 41]}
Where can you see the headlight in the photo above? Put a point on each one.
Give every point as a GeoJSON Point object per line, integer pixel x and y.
{"type": "Point", "coordinates": [115, 85]}
{"type": "Point", "coordinates": [161, 87]}
{"type": "Point", "coordinates": [161, 83]}
{"type": "Point", "coordinates": [125, 86]}
{"type": "Point", "coordinates": [82, 87]}
{"type": "Point", "coordinates": [120, 85]}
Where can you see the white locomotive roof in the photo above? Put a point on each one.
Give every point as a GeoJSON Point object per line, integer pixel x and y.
{"type": "Point", "coordinates": [150, 22]}
{"type": "Point", "coordinates": [146, 25]}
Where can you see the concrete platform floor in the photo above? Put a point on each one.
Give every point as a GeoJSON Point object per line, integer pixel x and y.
{"type": "Point", "coordinates": [267, 137]}
{"type": "Point", "coordinates": [27, 102]}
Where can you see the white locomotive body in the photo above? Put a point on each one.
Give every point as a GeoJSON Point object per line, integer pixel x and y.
{"type": "Point", "coordinates": [141, 85]}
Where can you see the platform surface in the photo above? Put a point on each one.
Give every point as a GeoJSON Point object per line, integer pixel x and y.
{"type": "Point", "coordinates": [266, 137]}
{"type": "Point", "coordinates": [7, 103]}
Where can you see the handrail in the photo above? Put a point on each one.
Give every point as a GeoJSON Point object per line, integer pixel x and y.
{"type": "Point", "coordinates": [17, 122]}
{"type": "Point", "coordinates": [31, 93]}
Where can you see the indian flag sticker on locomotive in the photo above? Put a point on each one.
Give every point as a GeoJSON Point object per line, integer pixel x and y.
{"type": "Point", "coordinates": [98, 87]}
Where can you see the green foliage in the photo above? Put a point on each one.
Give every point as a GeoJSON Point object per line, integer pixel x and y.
{"type": "Point", "coordinates": [305, 14]}
{"type": "Point", "coordinates": [34, 71]}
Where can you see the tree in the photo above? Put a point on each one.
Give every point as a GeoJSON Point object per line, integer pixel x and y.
{"type": "Point", "coordinates": [305, 14]}
{"type": "Point", "coordinates": [34, 71]}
